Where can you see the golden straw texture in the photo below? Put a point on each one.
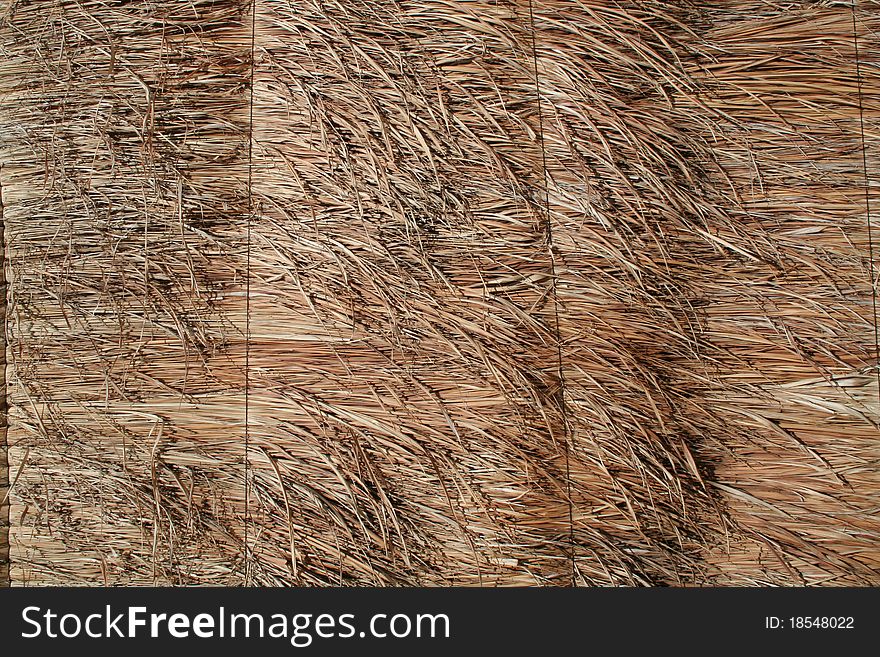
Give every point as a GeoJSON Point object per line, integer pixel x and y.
{"type": "Point", "coordinates": [435, 292]}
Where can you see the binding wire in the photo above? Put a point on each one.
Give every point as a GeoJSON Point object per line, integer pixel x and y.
{"type": "Point", "coordinates": [560, 373]}
{"type": "Point", "coordinates": [871, 267]}
{"type": "Point", "coordinates": [247, 338]}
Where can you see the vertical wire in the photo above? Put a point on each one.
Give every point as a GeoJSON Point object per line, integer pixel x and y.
{"type": "Point", "coordinates": [560, 373]}
{"type": "Point", "coordinates": [247, 337]}
{"type": "Point", "coordinates": [871, 267]}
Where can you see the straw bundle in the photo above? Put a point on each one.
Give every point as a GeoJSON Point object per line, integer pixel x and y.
{"type": "Point", "coordinates": [436, 292]}
{"type": "Point", "coordinates": [124, 130]}
{"type": "Point", "coordinates": [793, 319]}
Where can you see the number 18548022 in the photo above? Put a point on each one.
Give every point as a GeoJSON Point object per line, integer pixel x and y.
{"type": "Point", "coordinates": [810, 623]}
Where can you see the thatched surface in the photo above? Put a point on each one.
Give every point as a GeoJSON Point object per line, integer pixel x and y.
{"type": "Point", "coordinates": [124, 133]}
{"type": "Point", "coordinates": [792, 320]}
{"type": "Point", "coordinates": [441, 292]}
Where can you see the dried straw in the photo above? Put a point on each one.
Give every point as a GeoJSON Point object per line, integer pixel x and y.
{"type": "Point", "coordinates": [124, 128]}
{"type": "Point", "coordinates": [548, 292]}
